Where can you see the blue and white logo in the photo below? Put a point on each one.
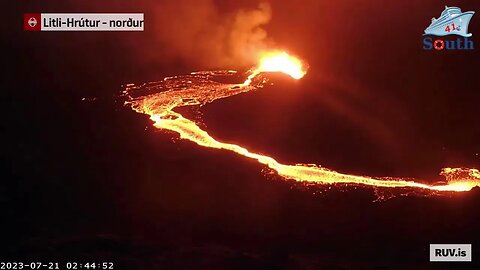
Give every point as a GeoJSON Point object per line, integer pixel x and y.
{"type": "Point", "coordinates": [452, 21]}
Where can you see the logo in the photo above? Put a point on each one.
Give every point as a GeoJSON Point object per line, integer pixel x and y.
{"type": "Point", "coordinates": [450, 252]}
{"type": "Point", "coordinates": [31, 22]}
{"type": "Point", "coordinates": [451, 22]}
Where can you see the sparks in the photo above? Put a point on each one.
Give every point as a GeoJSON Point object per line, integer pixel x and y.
{"type": "Point", "coordinates": [159, 99]}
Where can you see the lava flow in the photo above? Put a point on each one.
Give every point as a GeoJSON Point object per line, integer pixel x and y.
{"type": "Point", "coordinates": [159, 99]}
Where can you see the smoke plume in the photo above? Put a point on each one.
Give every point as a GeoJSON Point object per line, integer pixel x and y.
{"type": "Point", "coordinates": [196, 31]}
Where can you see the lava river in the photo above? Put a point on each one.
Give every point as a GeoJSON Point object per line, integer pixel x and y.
{"type": "Point", "coordinates": [159, 99]}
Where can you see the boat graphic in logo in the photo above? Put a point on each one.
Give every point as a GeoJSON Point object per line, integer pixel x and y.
{"type": "Point", "coordinates": [452, 21]}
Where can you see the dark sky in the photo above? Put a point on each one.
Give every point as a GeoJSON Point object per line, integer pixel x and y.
{"type": "Point", "coordinates": [95, 180]}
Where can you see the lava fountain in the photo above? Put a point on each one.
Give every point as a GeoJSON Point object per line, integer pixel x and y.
{"type": "Point", "coordinates": [159, 99]}
{"type": "Point", "coordinates": [278, 61]}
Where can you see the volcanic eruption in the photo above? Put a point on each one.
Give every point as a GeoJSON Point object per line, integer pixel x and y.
{"type": "Point", "coordinates": [159, 99]}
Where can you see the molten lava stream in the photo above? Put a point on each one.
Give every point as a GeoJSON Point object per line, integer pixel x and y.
{"type": "Point", "coordinates": [159, 100]}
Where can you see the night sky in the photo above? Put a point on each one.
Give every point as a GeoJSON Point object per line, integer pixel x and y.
{"type": "Point", "coordinates": [92, 180]}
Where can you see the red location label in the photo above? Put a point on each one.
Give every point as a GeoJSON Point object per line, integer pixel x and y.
{"type": "Point", "coordinates": [32, 22]}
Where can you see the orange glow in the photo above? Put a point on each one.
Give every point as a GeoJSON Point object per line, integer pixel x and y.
{"type": "Point", "coordinates": [159, 99]}
{"type": "Point", "coordinates": [278, 61]}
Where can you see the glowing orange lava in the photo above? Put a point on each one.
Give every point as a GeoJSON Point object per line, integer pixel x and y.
{"type": "Point", "coordinates": [278, 61]}
{"type": "Point", "coordinates": [159, 99]}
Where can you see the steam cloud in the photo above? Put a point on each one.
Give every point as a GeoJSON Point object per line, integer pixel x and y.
{"type": "Point", "coordinates": [195, 31]}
